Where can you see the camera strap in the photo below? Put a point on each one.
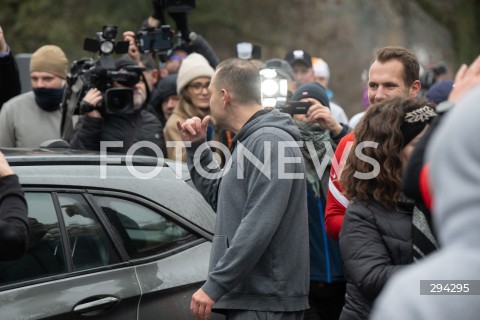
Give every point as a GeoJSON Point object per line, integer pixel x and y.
{"type": "Point", "coordinates": [69, 104]}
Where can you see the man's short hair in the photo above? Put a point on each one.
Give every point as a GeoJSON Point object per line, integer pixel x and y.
{"type": "Point", "coordinates": [411, 67]}
{"type": "Point", "coordinates": [241, 78]}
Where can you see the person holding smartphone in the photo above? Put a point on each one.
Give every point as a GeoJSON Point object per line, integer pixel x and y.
{"type": "Point", "coordinates": [320, 132]}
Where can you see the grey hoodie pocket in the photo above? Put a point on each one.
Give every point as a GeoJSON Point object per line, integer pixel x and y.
{"type": "Point", "coordinates": [219, 246]}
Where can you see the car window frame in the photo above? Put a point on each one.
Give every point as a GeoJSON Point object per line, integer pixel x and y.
{"type": "Point", "coordinates": [70, 272]}
{"type": "Point", "coordinates": [203, 235]}
{"type": "Point", "coordinates": [89, 195]}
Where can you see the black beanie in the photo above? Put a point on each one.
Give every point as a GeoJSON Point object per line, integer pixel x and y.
{"type": "Point", "coordinates": [312, 90]}
{"type": "Point", "coordinates": [440, 91]}
{"type": "Point", "coordinates": [121, 63]}
{"type": "Point", "coordinates": [167, 87]}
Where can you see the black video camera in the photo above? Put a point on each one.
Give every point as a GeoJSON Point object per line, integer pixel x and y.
{"type": "Point", "coordinates": [155, 39]}
{"type": "Point", "coordinates": [115, 100]}
{"type": "Point", "coordinates": [430, 76]}
{"type": "Point", "coordinates": [101, 74]}
{"type": "Point", "coordinates": [105, 42]}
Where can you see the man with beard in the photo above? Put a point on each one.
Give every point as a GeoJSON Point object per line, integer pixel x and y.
{"type": "Point", "coordinates": [31, 118]}
{"type": "Point", "coordinates": [137, 125]}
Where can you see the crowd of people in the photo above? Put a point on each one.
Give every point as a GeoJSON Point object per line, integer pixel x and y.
{"type": "Point", "coordinates": [345, 231]}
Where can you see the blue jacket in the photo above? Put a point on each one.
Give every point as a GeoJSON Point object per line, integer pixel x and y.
{"type": "Point", "coordinates": [326, 263]}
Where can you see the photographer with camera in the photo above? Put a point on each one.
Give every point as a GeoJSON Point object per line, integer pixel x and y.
{"type": "Point", "coordinates": [319, 130]}
{"type": "Point", "coordinates": [118, 114]}
{"type": "Point", "coordinates": [190, 41]}
{"type": "Point", "coordinates": [151, 72]}
{"type": "Point", "coordinates": [31, 118]}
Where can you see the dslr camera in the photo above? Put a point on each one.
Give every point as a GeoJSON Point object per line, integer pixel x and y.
{"type": "Point", "coordinates": [86, 74]}
{"type": "Point", "coordinates": [155, 39]}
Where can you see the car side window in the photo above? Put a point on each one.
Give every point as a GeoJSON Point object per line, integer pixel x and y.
{"type": "Point", "coordinates": [90, 246]}
{"type": "Point", "coordinates": [143, 231]}
{"type": "Point", "coordinates": [45, 254]}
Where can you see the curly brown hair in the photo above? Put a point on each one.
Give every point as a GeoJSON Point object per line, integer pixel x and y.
{"type": "Point", "coordinates": [381, 124]}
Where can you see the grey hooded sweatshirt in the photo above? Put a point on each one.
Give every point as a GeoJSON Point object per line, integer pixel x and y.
{"type": "Point", "coordinates": [259, 259]}
{"type": "Point", "coordinates": [454, 158]}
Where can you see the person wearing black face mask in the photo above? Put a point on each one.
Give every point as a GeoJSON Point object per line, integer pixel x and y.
{"type": "Point", "coordinates": [34, 117]}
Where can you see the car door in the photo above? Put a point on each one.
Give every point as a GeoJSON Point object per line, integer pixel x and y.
{"type": "Point", "coordinates": [71, 267]}
{"type": "Point", "coordinates": [171, 258]}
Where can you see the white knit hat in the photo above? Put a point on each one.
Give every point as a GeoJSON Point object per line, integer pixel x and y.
{"type": "Point", "coordinates": [320, 68]}
{"type": "Point", "coordinates": [192, 67]}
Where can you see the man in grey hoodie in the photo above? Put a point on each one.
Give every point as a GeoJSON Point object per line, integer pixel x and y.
{"type": "Point", "coordinates": [446, 284]}
{"type": "Point", "coordinates": [259, 265]}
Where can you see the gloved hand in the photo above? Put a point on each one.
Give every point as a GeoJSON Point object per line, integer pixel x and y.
{"type": "Point", "coordinates": [158, 11]}
{"type": "Point", "coordinates": [180, 19]}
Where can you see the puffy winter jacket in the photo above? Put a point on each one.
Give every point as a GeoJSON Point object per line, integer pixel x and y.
{"type": "Point", "coordinates": [142, 126]}
{"type": "Point", "coordinates": [375, 242]}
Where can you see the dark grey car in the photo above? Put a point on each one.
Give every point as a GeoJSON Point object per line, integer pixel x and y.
{"type": "Point", "coordinates": [107, 239]}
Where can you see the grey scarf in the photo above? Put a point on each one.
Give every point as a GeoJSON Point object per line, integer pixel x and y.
{"type": "Point", "coordinates": [318, 136]}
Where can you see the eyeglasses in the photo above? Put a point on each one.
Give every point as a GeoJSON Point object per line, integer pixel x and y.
{"type": "Point", "coordinates": [197, 87]}
{"type": "Point", "coordinates": [177, 57]}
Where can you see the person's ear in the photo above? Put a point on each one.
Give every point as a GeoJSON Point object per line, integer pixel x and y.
{"type": "Point", "coordinates": [226, 97]}
{"type": "Point", "coordinates": [415, 88]}
{"type": "Point", "coordinates": [155, 75]}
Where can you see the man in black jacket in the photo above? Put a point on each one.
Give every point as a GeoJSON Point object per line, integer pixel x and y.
{"type": "Point", "coordinates": [137, 125]}
{"type": "Point", "coordinates": [13, 214]}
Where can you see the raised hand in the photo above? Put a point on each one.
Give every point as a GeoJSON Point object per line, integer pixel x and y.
{"type": "Point", "coordinates": [193, 129]}
{"type": "Point", "coordinates": [466, 78]}
{"type": "Point", "coordinates": [5, 169]}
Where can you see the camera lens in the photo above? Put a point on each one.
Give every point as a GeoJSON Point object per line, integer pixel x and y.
{"type": "Point", "coordinates": [109, 32]}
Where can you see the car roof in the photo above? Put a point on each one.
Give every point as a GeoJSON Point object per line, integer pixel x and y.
{"type": "Point", "coordinates": [20, 156]}
{"type": "Point", "coordinates": [162, 181]}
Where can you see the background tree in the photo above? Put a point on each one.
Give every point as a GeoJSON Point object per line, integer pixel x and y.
{"type": "Point", "coordinates": [343, 32]}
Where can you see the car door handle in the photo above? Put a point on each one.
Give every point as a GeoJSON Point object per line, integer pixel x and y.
{"type": "Point", "coordinates": [95, 305]}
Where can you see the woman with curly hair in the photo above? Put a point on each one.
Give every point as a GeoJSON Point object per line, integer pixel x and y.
{"type": "Point", "coordinates": [382, 229]}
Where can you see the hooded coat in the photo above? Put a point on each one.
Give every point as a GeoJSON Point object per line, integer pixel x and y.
{"type": "Point", "coordinates": [259, 258]}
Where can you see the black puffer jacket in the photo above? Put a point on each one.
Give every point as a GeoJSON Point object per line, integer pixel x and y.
{"type": "Point", "coordinates": [142, 126]}
{"type": "Point", "coordinates": [374, 242]}
{"type": "Point", "coordinates": [9, 78]}
{"type": "Point", "coordinates": [14, 230]}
